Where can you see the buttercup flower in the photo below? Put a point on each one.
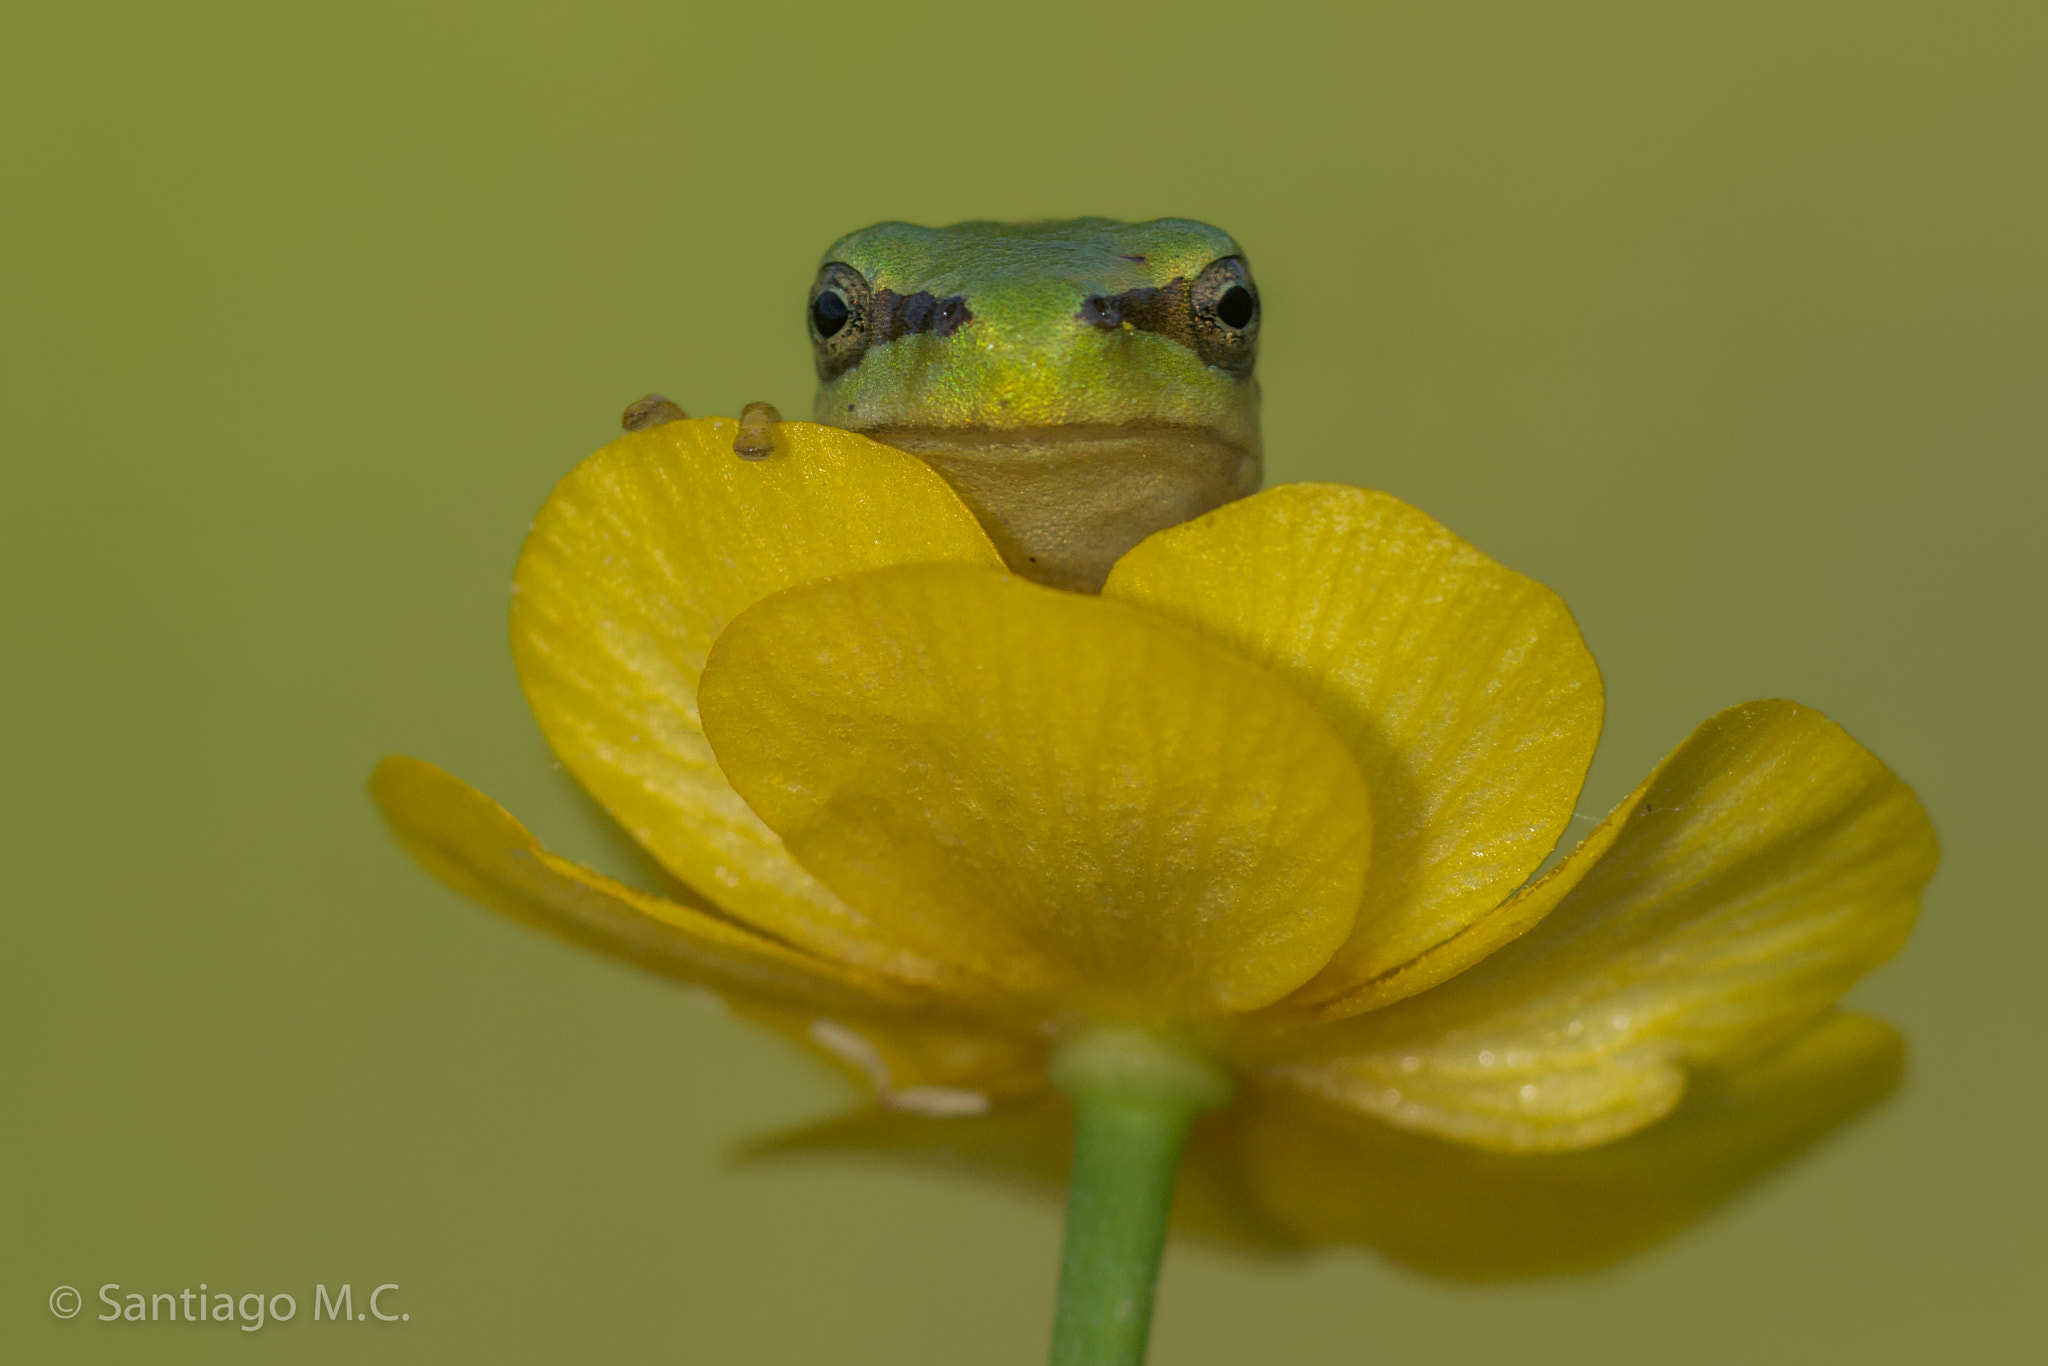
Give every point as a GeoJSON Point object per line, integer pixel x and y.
{"type": "Point", "coordinates": [1266, 811]}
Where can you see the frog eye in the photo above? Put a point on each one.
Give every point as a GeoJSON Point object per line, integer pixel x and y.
{"type": "Point", "coordinates": [1226, 308]}
{"type": "Point", "coordinates": [840, 316]}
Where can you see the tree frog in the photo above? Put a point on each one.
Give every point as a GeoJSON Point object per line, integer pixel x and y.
{"type": "Point", "coordinates": [1081, 384]}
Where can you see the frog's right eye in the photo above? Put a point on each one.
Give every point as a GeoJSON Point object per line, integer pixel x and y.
{"type": "Point", "coordinates": [1226, 315]}
{"type": "Point", "coordinates": [840, 316]}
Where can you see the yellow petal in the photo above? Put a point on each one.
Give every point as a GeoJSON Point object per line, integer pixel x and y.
{"type": "Point", "coordinates": [1026, 1144]}
{"type": "Point", "coordinates": [1279, 1169]}
{"type": "Point", "coordinates": [1768, 863]}
{"type": "Point", "coordinates": [1029, 1146]}
{"type": "Point", "coordinates": [478, 848]}
{"type": "Point", "coordinates": [1066, 797]}
{"type": "Point", "coordinates": [1479, 938]}
{"type": "Point", "coordinates": [1462, 687]}
{"type": "Point", "coordinates": [915, 1066]}
{"type": "Point", "coordinates": [635, 565]}
{"type": "Point", "coordinates": [1326, 1175]}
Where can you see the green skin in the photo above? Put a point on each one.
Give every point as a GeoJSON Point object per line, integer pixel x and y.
{"type": "Point", "coordinates": [1085, 401]}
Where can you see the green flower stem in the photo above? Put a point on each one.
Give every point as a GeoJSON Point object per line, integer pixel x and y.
{"type": "Point", "coordinates": [1135, 1097]}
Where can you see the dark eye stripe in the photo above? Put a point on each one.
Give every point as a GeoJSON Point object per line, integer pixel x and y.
{"type": "Point", "coordinates": [1162, 309]}
{"type": "Point", "coordinates": [902, 315]}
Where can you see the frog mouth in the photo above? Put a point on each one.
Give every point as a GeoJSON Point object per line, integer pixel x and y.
{"type": "Point", "coordinates": [1063, 503]}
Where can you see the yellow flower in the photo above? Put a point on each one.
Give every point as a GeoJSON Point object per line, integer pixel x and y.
{"type": "Point", "coordinates": [1276, 795]}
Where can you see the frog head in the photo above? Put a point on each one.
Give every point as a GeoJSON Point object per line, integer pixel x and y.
{"type": "Point", "coordinates": [1080, 383]}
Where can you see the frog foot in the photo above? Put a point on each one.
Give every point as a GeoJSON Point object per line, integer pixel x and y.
{"type": "Point", "coordinates": [756, 440]}
{"type": "Point", "coordinates": [651, 411]}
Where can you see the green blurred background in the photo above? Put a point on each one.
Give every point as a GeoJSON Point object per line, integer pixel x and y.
{"type": "Point", "coordinates": [1725, 318]}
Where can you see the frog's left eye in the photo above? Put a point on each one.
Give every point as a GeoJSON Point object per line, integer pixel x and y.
{"type": "Point", "coordinates": [840, 315]}
{"type": "Point", "coordinates": [1226, 308]}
